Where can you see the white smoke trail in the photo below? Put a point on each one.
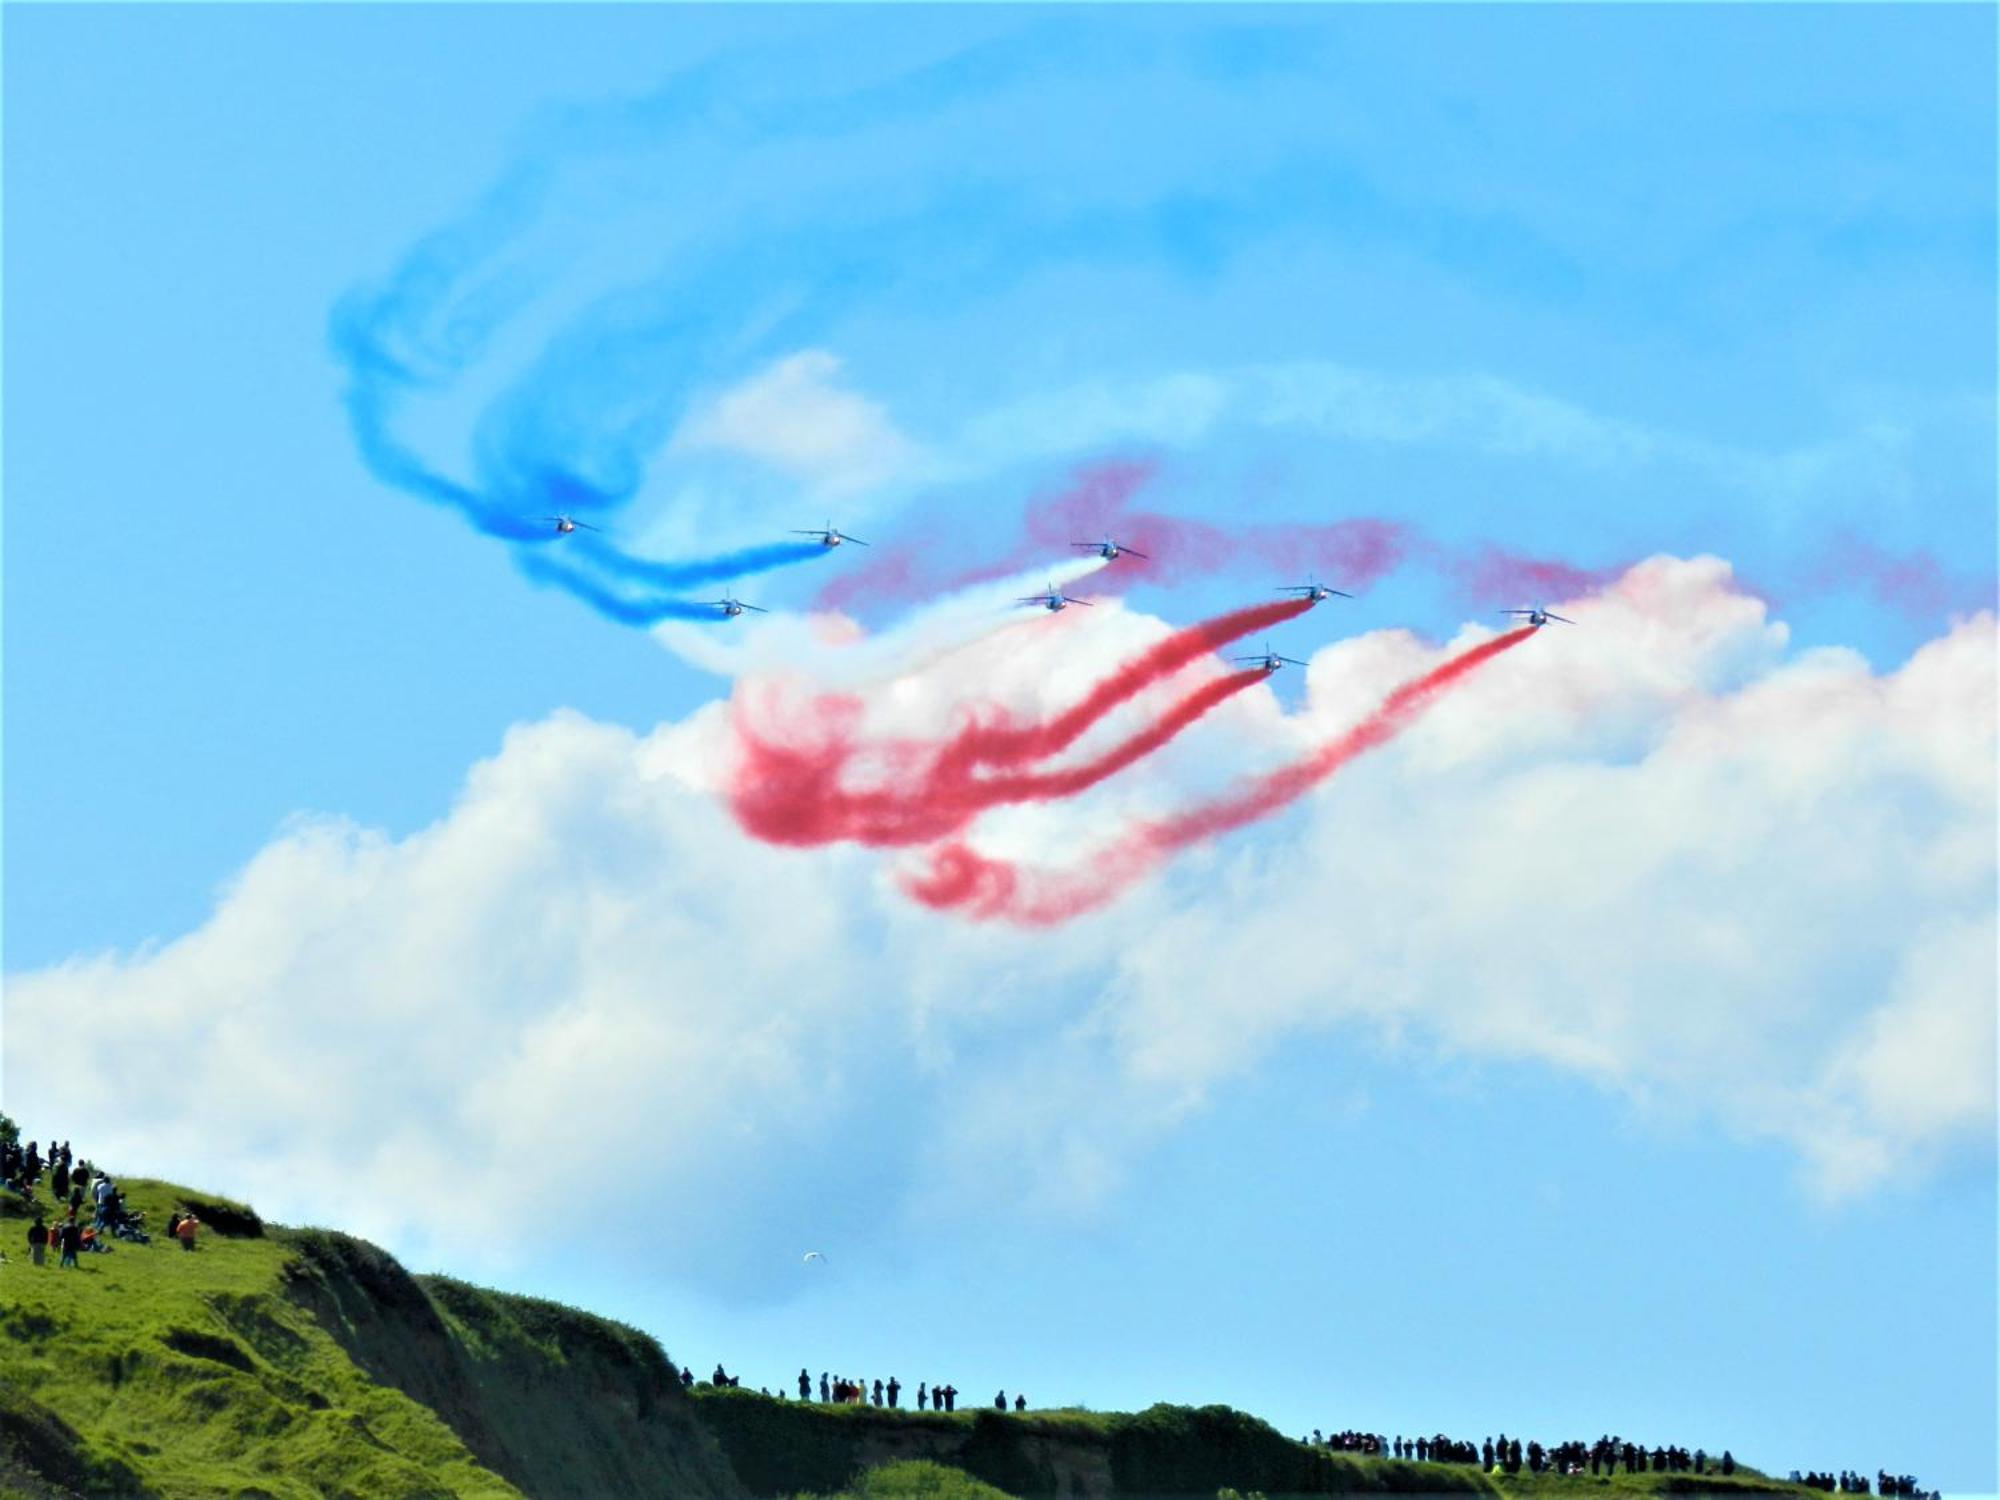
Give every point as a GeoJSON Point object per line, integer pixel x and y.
{"type": "Point", "coordinates": [833, 651]}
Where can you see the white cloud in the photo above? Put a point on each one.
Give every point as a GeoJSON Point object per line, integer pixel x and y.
{"type": "Point", "coordinates": [1471, 410]}
{"type": "Point", "coordinates": [797, 418]}
{"type": "Point", "coordinates": [1655, 850]}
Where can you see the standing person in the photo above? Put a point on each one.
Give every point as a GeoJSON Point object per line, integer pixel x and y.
{"type": "Point", "coordinates": [999, 1400]}
{"type": "Point", "coordinates": [923, 1396]}
{"type": "Point", "coordinates": [70, 1238]}
{"type": "Point", "coordinates": [60, 1180]}
{"type": "Point", "coordinates": [824, 1394]}
{"type": "Point", "coordinates": [184, 1232]}
{"type": "Point", "coordinates": [805, 1386]}
{"type": "Point", "coordinates": [878, 1390]}
{"type": "Point", "coordinates": [1020, 1402]}
{"type": "Point", "coordinates": [38, 1240]}
{"type": "Point", "coordinates": [895, 1390]}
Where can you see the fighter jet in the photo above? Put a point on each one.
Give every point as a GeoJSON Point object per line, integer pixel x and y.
{"type": "Point", "coordinates": [729, 608]}
{"type": "Point", "coordinates": [1537, 616]}
{"type": "Point", "coordinates": [830, 537]}
{"type": "Point", "coordinates": [564, 525]}
{"type": "Point", "coordinates": [1052, 599]}
{"type": "Point", "coordinates": [1268, 659]}
{"type": "Point", "coordinates": [1314, 591]}
{"type": "Point", "coordinates": [1108, 549]}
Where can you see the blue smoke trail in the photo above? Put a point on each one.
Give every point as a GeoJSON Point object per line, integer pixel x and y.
{"type": "Point", "coordinates": [585, 407]}
{"type": "Point", "coordinates": [538, 567]}
{"type": "Point", "coordinates": [573, 432]}
{"type": "Point", "coordinates": [680, 575]}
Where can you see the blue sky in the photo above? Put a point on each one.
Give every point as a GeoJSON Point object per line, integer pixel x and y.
{"type": "Point", "coordinates": [1595, 284]}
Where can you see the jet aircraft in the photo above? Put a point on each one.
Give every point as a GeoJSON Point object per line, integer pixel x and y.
{"type": "Point", "coordinates": [1537, 616]}
{"type": "Point", "coordinates": [1052, 599]}
{"type": "Point", "coordinates": [1268, 659]}
{"type": "Point", "coordinates": [728, 608]}
{"type": "Point", "coordinates": [1110, 550]}
{"type": "Point", "coordinates": [1313, 590]}
{"type": "Point", "coordinates": [829, 536]}
{"type": "Point", "coordinates": [564, 525]}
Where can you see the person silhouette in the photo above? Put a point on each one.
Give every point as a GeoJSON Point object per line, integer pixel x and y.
{"type": "Point", "coordinates": [1020, 1402]}
{"type": "Point", "coordinates": [923, 1396]}
{"type": "Point", "coordinates": [805, 1386]}
{"type": "Point", "coordinates": [825, 1391]}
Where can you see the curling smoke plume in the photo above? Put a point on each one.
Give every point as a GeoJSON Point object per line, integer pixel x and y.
{"type": "Point", "coordinates": [790, 785]}
{"type": "Point", "coordinates": [956, 878]}
{"type": "Point", "coordinates": [795, 795]}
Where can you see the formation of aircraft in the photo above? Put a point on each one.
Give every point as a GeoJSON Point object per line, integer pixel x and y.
{"type": "Point", "coordinates": [1268, 659]}
{"type": "Point", "coordinates": [1313, 590]}
{"type": "Point", "coordinates": [1052, 599]}
{"type": "Point", "coordinates": [829, 536]}
{"type": "Point", "coordinates": [1108, 549]}
{"type": "Point", "coordinates": [1537, 616]}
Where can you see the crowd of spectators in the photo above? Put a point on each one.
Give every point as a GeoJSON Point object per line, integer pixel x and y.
{"type": "Point", "coordinates": [1607, 1455]}
{"type": "Point", "coordinates": [1848, 1483]}
{"type": "Point", "coordinates": [71, 1181]}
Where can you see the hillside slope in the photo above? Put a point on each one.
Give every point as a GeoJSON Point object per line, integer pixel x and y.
{"type": "Point", "coordinates": [274, 1362]}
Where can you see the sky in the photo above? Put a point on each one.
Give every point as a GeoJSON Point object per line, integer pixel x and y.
{"type": "Point", "coordinates": [1611, 1050]}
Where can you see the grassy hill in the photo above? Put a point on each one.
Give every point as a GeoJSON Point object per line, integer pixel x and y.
{"type": "Point", "coordinates": [778, 1447]}
{"type": "Point", "coordinates": [275, 1362]}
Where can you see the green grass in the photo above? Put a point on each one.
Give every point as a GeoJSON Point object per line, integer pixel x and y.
{"type": "Point", "coordinates": [787, 1447]}
{"type": "Point", "coordinates": [277, 1362]}
{"type": "Point", "coordinates": [915, 1479]}
{"type": "Point", "coordinates": [186, 1373]}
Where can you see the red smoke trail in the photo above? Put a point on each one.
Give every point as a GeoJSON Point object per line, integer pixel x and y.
{"type": "Point", "coordinates": [788, 795]}
{"type": "Point", "coordinates": [1007, 744]}
{"type": "Point", "coordinates": [958, 879]}
{"type": "Point", "coordinates": [921, 565]}
{"type": "Point", "coordinates": [1098, 502]}
{"type": "Point", "coordinates": [1095, 506]}
{"type": "Point", "coordinates": [1914, 584]}
{"type": "Point", "coordinates": [1492, 574]}
{"type": "Point", "coordinates": [791, 792]}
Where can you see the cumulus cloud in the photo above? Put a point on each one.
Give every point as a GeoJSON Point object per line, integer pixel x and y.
{"type": "Point", "coordinates": [796, 417]}
{"type": "Point", "coordinates": [1720, 878]}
